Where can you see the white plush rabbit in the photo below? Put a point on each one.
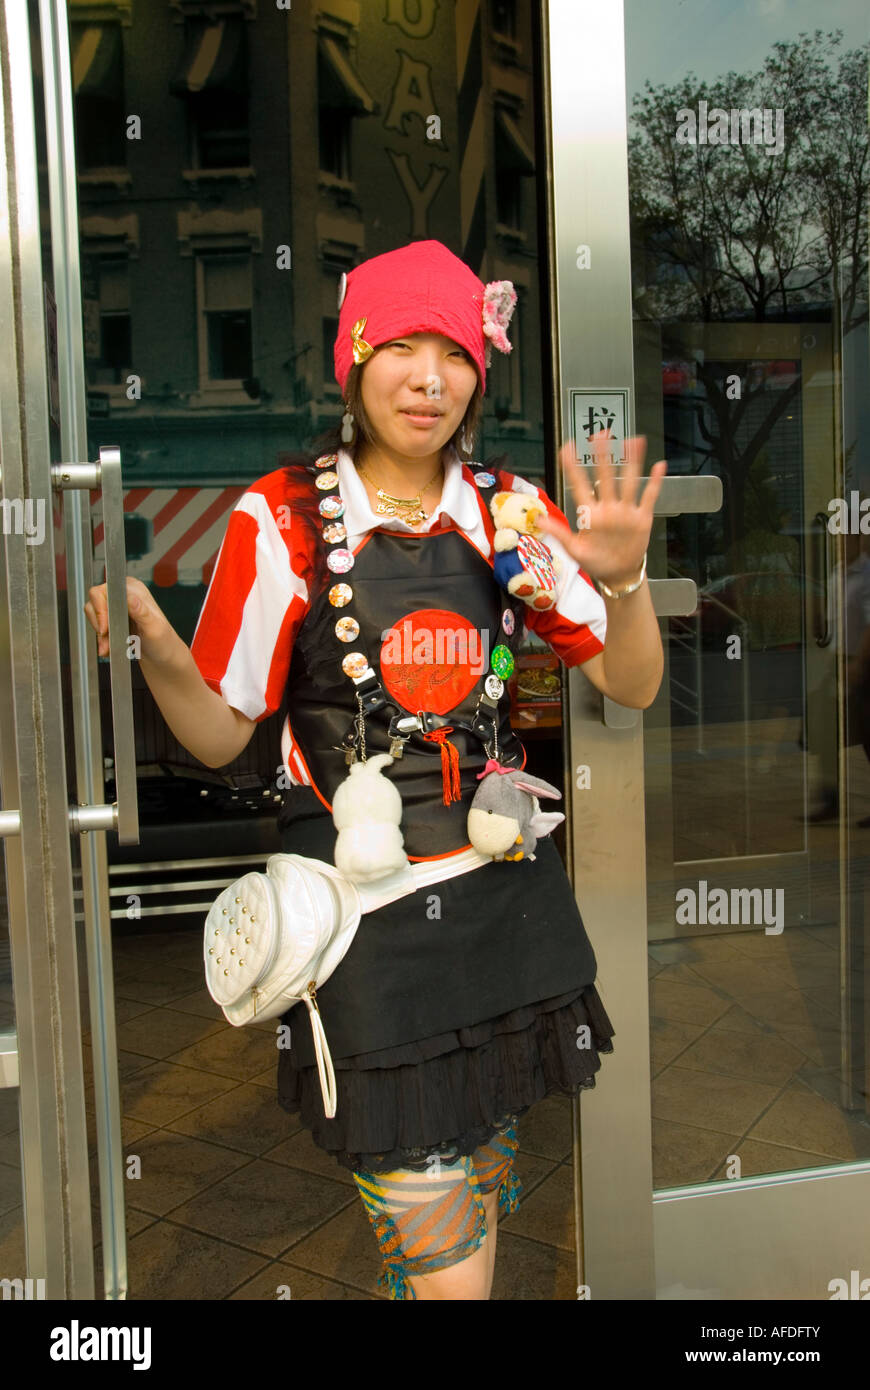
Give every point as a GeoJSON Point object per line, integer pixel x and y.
{"type": "Point", "coordinates": [366, 811]}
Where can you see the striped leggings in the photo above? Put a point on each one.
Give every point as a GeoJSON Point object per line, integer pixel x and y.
{"type": "Point", "coordinates": [424, 1221]}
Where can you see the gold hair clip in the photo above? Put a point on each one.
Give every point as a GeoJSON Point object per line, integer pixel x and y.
{"type": "Point", "coordinates": [362, 350]}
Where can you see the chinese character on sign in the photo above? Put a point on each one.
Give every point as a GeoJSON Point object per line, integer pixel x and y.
{"type": "Point", "coordinates": [597, 418]}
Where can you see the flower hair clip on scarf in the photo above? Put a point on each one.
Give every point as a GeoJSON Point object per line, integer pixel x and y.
{"type": "Point", "coordinates": [499, 302]}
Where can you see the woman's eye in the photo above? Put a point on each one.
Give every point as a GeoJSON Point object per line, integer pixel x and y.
{"type": "Point", "coordinates": [458, 352]}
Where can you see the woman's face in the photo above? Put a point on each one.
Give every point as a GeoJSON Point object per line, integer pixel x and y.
{"type": "Point", "coordinates": [422, 374]}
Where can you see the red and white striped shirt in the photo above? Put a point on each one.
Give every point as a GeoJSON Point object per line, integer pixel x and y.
{"type": "Point", "coordinates": [258, 597]}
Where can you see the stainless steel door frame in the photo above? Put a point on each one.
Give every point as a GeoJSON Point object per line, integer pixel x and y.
{"type": "Point", "coordinates": [54, 1147]}
{"type": "Point", "coordinates": [779, 1235]}
{"type": "Point", "coordinates": [57, 1209]}
{"type": "Point", "coordinates": [95, 908]}
{"type": "Point", "coordinates": [593, 344]}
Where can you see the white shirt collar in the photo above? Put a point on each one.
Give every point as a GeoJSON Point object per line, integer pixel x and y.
{"type": "Point", "coordinates": [457, 500]}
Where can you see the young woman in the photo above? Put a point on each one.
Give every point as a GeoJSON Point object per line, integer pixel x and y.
{"type": "Point", "coordinates": [458, 1006]}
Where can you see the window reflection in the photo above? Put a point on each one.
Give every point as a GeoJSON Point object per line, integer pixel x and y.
{"type": "Point", "coordinates": [748, 195]}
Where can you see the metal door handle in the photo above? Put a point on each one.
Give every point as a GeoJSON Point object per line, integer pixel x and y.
{"type": "Point", "coordinates": [670, 597]}
{"type": "Point", "coordinates": [9, 1058]}
{"type": "Point", "coordinates": [686, 492]}
{"type": "Point", "coordinates": [106, 474]}
{"type": "Point", "coordinates": [126, 795]}
{"type": "Point", "coordinates": [821, 604]}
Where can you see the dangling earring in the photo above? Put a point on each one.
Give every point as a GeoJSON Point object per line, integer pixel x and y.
{"type": "Point", "coordinates": [465, 444]}
{"type": "Point", "coordinates": [347, 431]}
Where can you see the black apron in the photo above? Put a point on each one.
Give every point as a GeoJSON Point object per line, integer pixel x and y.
{"type": "Point", "coordinates": [396, 575]}
{"type": "Point", "coordinates": [464, 949]}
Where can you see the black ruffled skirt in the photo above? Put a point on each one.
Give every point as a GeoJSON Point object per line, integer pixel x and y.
{"type": "Point", "coordinates": [396, 1106]}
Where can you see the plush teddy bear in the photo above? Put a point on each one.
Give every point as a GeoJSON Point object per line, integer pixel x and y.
{"type": "Point", "coordinates": [523, 565]}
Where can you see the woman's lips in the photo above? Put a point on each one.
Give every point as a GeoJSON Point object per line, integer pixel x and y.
{"type": "Point", "coordinates": [423, 421]}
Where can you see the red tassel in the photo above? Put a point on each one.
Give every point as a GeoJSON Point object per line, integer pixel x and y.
{"type": "Point", "coordinates": [450, 779]}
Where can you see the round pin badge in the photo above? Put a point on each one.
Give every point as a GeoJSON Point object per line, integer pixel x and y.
{"type": "Point", "coordinates": [484, 479]}
{"type": "Point", "coordinates": [508, 621]}
{"type": "Point", "coordinates": [340, 561]}
{"type": "Point", "coordinates": [538, 560]}
{"type": "Point", "coordinates": [502, 662]}
{"type": "Point", "coordinates": [493, 687]}
{"type": "Point", "coordinates": [326, 480]}
{"type": "Point", "coordinates": [342, 288]}
{"type": "Point", "coordinates": [327, 461]}
{"type": "Point", "coordinates": [346, 629]}
{"type": "Point", "coordinates": [340, 595]}
{"type": "Point", "coordinates": [334, 532]}
{"type": "Point", "coordinates": [354, 665]}
{"type": "Point", "coordinates": [331, 507]}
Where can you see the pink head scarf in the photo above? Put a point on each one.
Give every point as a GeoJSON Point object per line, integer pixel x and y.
{"type": "Point", "coordinates": [420, 288]}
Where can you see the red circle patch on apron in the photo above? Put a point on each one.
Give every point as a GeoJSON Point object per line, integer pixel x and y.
{"type": "Point", "coordinates": [431, 659]}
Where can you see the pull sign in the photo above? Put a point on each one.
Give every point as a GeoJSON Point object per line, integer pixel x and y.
{"type": "Point", "coordinates": [593, 411]}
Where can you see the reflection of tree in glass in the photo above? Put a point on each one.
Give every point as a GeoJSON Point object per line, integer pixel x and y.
{"type": "Point", "coordinates": [730, 233]}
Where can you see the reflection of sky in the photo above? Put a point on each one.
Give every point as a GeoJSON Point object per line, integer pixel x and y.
{"type": "Point", "coordinates": [665, 39]}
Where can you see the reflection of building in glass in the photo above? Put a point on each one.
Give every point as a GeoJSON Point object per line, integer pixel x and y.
{"type": "Point", "coordinates": [234, 159]}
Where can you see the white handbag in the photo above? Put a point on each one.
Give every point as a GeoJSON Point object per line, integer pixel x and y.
{"type": "Point", "coordinates": [272, 939]}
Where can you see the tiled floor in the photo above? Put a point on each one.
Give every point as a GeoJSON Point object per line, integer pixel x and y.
{"type": "Point", "coordinates": [234, 1199]}
{"type": "Point", "coordinates": [745, 1033]}
{"type": "Point", "coordinates": [745, 1039]}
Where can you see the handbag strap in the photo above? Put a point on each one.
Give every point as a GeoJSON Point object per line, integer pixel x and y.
{"type": "Point", "coordinates": [325, 1069]}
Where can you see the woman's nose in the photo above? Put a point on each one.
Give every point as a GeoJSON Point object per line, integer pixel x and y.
{"type": "Point", "coordinates": [425, 375]}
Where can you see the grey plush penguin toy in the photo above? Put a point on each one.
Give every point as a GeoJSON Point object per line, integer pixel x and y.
{"type": "Point", "coordinates": [505, 819]}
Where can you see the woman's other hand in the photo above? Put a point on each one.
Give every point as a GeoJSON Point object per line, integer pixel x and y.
{"type": "Point", "coordinates": [157, 637]}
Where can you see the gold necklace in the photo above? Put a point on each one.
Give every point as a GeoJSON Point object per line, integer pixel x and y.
{"type": "Point", "coordinates": [390, 506]}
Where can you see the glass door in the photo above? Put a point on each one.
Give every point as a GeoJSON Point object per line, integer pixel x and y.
{"type": "Point", "coordinates": [738, 271]}
{"type": "Point", "coordinates": [55, 950]}
{"type": "Point", "coordinates": [749, 295]}
{"type": "Point", "coordinates": [272, 149]}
